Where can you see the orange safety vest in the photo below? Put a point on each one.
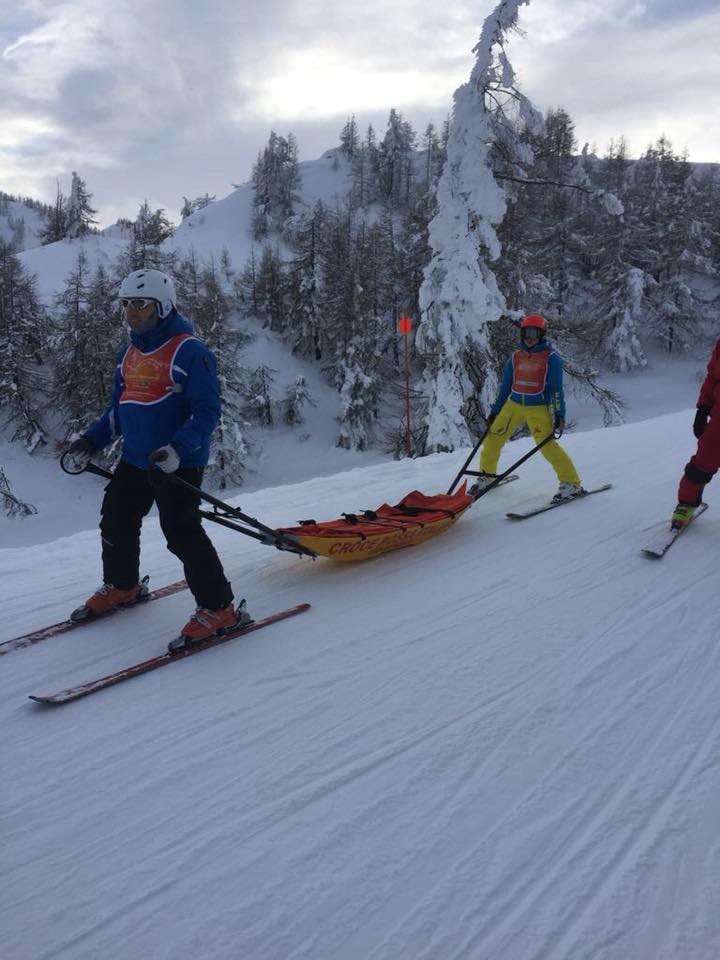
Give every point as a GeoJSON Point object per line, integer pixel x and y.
{"type": "Point", "coordinates": [147, 377]}
{"type": "Point", "coordinates": [530, 372]}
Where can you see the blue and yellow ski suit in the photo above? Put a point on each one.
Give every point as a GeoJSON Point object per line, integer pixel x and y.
{"type": "Point", "coordinates": [531, 392]}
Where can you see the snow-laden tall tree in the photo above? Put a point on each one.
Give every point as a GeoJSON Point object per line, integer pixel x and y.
{"type": "Point", "coordinates": [55, 220]}
{"type": "Point", "coordinates": [296, 397]}
{"type": "Point", "coordinates": [145, 249]}
{"type": "Point", "coordinates": [208, 308]}
{"type": "Point", "coordinates": [23, 331]}
{"type": "Point", "coordinates": [350, 138]}
{"type": "Point", "coordinates": [663, 238]}
{"type": "Point", "coordinates": [276, 179]}
{"type": "Point", "coordinates": [304, 281]}
{"type": "Point", "coordinates": [460, 296]}
{"type": "Point", "coordinates": [89, 333]}
{"type": "Point", "coordinates": [80, 215]}
{"type": "Point", "coordinates": [395, 161]}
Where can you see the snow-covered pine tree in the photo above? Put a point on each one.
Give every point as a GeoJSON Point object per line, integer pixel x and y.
{"type": "Point", "coordinates": [209, 312]}
{"type": "Point", "coordinates": [350, 328]}
{"type": "Point", "coordinates": [56, 223]}
{"type": "Point", "coordinates": [259, 402]}
{"type": "Point", "coordinates": [658, 214]}
{"type": "Point", "coordinates": [80, 216]}
{"type": "Point", "coordinates": [303, 283]}
{"type": "Point", "coordinates": [609, 321]}
{"type": "Point", "coordinates": [350, 138]}
{"type": "Point", "coordinates": [434, 151]}
{"type": "Point", "coordinates": [270, 290]}
{"type": "Point", "coordinates": [276, 179]}
{"type": "Point", "coordinates": [551, 208]}
{"type": "Point", "coordinates": [188, 284]}
{"type": "Point", "coordinates": [246, 288]}
{"type": "Point", "coordinates": [296, 397]}
{"type": "Point", "coordinates": [149, 231]}
{"type": "Point", "coordinates": [359, 387]}
{"type": "Point", "coordinates": [364, 190]}
{"type": "Point", "coordinates": [394, 162]}
{"type": "Point", "coordinates": [88, 334]}
{"type": "Point", "coordinates": [23, 338]}
{"type": "Point", "coordinates": [376, 259]}
{"type": "Point", "coordinates": [460, 297]}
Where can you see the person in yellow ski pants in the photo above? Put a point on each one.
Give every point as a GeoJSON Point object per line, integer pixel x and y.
{"type": "Point", "coordinates": [531, 392]}
{"type": "Point", "coordinates": [540, 423]}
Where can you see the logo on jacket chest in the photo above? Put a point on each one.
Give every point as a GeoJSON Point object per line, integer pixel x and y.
{"type": "Point", "coordinates": [147, 377]}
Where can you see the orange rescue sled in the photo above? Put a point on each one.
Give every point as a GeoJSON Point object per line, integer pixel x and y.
{"type": "Point", "coordinates": [360, 536]}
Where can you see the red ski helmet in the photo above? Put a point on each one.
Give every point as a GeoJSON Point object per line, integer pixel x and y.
{"type": "Point", "coordinates": [535, 321]}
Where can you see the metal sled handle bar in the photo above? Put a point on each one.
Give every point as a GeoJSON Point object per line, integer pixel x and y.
{"type": "Point", "coordinates": [267, 534]}
{"type": "Point", "coordinates": [517, 463]}
{"type": "Point", "coordinates": [68, 464]}
{"type": "Point", "coordinates": [464, 467]}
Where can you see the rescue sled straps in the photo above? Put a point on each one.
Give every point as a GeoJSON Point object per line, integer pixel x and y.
{"type": "Point", "coordinates": [464, 469]}
{"type": "Point", "coordinates": [501, 476]}
{"type": "Point", "coordinates": [398, 522]}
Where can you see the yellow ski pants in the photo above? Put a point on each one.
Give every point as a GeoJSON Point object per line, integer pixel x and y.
{"type": "Point", "coordinates": [540, 422]}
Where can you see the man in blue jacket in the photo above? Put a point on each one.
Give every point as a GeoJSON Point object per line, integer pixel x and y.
{"type": "Point", "coordinates": [165, 405]}
{"type": "Point", "coordinates": [531, 392]}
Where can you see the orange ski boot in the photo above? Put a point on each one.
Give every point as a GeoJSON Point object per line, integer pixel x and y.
{"type": "Point", "coordinates": [204, 624]}
{"type": "Point", "coordinates": [107, 598]}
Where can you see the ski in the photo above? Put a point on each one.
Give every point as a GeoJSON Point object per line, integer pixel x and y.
{"type": "Point", "coordinates": [550, 505]}
{"type": "Point", "coordinates": [513, 476]}
{"type": "Point", "coordinates": [55, 629]}
{"type": "Point", "coordinates": [658, 547]}
{"type": "Point", "coordinates": [92, 686]}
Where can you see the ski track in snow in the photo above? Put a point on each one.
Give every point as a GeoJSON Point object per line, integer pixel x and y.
{"type": "Point", "coordinates": [502, 744]}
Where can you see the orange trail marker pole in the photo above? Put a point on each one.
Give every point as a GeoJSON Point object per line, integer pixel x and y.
{"type": "Point", "coordinates": [404, 328]}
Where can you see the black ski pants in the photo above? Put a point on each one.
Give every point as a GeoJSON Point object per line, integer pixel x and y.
{"type": "Point", "coordinates": [128, 498]}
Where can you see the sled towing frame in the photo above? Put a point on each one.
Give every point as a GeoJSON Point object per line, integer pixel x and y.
{"type": "Point", "coordinates": [222, 513]}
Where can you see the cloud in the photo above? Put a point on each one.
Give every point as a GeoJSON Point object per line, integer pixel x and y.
{"type": "Point", "coordinates": [640, 77]}
{"type": "Point", "coordinates": [174, 97]}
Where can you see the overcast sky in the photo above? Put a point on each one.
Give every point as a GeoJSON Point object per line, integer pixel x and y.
{"type": "Point", "coordinates": [158, 99]}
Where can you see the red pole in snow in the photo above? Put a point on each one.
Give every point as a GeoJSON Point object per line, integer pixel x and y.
{"type": "Point", "coordinates": [404, 328]}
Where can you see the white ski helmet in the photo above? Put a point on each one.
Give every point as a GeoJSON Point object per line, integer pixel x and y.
{"type": "Point", "coordinates": [153, 284]}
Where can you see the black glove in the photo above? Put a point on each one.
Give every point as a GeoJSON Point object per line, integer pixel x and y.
{"type": "Point", "coordinates": [166, 458]}
{"type": "Point", "coordinates": [81, 450]}
{"type": "Point", "coordinates": [700, 422]}
{"type": "Point", "coordinates": [558, 424]}
{"type": "Point", "coordinates": [489, 419]}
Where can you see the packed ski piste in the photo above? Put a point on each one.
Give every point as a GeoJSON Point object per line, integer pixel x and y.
{"type": "Point", "coordinates": [503, 742]}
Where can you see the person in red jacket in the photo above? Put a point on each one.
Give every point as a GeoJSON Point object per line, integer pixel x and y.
{"type": "Point", "coordinates": [703, 466]}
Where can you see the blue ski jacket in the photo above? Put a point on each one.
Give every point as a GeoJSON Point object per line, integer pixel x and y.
{"type": "Point", "coordinates": [185, 417]}
{"type": "Point", "coordinates": [553, 395]}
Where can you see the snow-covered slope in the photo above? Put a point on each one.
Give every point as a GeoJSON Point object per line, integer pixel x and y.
{"type": "Point", "coordinates": [223, 225]}
{"type": "Point", "coordinates": [19, 224]}
{"type": "Point", "coordinates": [502, 744]}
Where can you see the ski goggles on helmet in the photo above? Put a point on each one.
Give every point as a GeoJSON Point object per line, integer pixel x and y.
{"type": "Point", "coordinates": [136, 303]}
